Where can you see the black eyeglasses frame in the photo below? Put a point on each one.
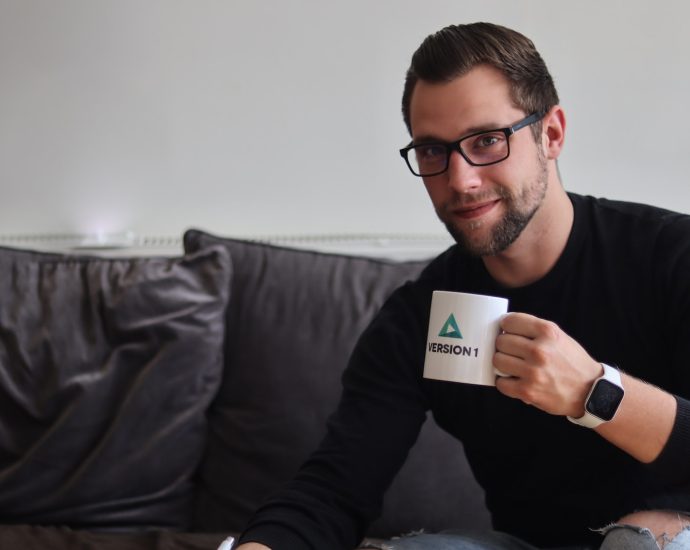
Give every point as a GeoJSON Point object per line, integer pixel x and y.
{"type": "Point", "coordinates": [455, 145]}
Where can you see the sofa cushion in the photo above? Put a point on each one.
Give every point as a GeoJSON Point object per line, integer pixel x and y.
{"type": "Point", "coordinates": [107, 367]}
{"type": "Point", "coordinates": [31, 537]}
{"type": "Point", "coordinates": [293, 319]}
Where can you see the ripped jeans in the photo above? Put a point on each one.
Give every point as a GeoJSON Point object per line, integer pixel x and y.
{"type": "Point", "coordinates": [616, 537]}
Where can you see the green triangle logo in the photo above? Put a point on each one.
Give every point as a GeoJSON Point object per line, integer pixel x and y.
{"type": "Point", "coordinates": [450, 328]}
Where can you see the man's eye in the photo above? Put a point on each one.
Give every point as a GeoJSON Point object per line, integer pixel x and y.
{"type": "Point", "coordinates": [488, 140]}
{"type": "Point", "coordinates": [430, 152]}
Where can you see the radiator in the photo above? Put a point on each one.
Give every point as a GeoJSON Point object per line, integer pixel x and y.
{"type": "Point", "coordinates": [392, 246]}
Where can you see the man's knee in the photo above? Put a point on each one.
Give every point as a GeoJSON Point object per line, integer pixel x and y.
{"type": "Point", "coordinates": [663, 525]}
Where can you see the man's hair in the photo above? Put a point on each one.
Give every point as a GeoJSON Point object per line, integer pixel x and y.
{"type": "Point", "coordinates": [455, 50]}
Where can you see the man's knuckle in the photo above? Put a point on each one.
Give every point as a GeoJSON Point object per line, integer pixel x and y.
{"type": "Point", "coordinates": [549, 330]}
{"type": "Point", "coordinates": [540, 355]}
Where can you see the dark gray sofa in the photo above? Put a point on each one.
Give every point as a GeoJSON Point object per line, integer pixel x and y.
{"type": "Point", "coordinates": [155, 402]}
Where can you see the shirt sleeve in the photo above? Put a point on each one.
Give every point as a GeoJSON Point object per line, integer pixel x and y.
{"type": "Point", "coordinates": [672, 262]}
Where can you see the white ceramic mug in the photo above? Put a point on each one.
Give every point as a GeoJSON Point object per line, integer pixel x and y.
{"type": "Point", "coordinates": [462, 335]}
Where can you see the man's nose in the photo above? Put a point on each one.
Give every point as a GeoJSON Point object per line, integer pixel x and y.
{"type": "Point", "coordinates": [462, 176]}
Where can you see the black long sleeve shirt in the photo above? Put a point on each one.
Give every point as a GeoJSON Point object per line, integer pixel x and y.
{"type": "Point", "coordinates": [621, 288]}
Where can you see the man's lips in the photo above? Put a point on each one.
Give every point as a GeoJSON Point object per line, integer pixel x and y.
{"type": "Point", "coordinates": [471, 211]}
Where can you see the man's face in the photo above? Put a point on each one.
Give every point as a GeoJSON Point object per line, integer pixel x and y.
{"type": "Point", "coordinates": [485, 208]}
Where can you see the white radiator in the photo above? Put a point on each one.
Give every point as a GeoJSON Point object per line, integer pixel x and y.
{"type": "Point", "coordinates": [398, 246]}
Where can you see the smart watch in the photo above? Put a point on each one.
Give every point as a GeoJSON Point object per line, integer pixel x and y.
{"type": "Point", "coordinates": [602, 400]}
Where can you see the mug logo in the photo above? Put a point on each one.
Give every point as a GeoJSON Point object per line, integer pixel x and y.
{"type": "Point", "coordinates": [450, 328]}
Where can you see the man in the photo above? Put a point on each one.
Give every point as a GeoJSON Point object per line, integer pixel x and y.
{"type": "Point", "coordinates": [597, 289]}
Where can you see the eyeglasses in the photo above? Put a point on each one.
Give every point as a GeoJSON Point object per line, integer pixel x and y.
{"type": "Point", "coordinates": [478, 149]}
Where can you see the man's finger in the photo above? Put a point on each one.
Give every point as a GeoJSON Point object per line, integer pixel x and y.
{"type": "Point", "coordinates": [528, 326]}
{"type": "Point", "coordinates": [512, 344]}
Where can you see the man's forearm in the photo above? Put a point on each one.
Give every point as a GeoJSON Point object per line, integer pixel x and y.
{"type": "Point", "coordinates": [551, 371]}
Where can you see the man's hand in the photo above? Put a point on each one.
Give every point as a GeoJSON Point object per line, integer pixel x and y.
{"type": "Point", "coordinates": [546, 368]}
{"type": "Point", "coordinates": [550, 370]}
{"type": "Point", "coordinates": [252, 546]}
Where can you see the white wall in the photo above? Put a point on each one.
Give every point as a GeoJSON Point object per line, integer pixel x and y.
{"type": "Point", "coordinates": [272, 117]}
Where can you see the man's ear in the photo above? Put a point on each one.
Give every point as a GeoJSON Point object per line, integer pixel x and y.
{"type": "Point", "coordinates": [553, 132]}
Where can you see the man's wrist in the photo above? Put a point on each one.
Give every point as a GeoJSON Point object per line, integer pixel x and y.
{"type": "Point", "coordinates": [603, 400]}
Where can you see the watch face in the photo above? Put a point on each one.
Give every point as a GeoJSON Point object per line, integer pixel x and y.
{"type": "Point", "coordinates": [604, 399]}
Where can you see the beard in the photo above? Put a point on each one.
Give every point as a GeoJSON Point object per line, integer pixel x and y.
{"type": "Point", "coordinates": [520, 209]}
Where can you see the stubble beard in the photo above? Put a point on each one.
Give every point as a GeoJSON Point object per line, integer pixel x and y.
{"type": "Point", "coordinates": [520, 210]}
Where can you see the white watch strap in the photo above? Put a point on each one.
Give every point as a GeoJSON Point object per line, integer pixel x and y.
{"type": "Point", "coordinates": [588, 420]}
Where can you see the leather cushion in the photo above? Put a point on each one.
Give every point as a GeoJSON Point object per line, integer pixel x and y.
{"type": "Point", "coordinates": [30, 537]}
{"type": "Point", "coordinates": [107, 367]}
{"type": "Point", "coordinates": [293, 319]}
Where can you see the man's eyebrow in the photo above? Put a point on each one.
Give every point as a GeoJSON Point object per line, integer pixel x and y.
{"type": "Point", "coordinates": [430, 138]}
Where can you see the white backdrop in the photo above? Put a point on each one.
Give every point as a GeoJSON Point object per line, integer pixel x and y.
{"type": "Point", "coordinates": [249, 117]}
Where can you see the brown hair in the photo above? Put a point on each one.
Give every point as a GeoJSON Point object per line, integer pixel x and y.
{"type": "Point", "coordinates": [455, 50]}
